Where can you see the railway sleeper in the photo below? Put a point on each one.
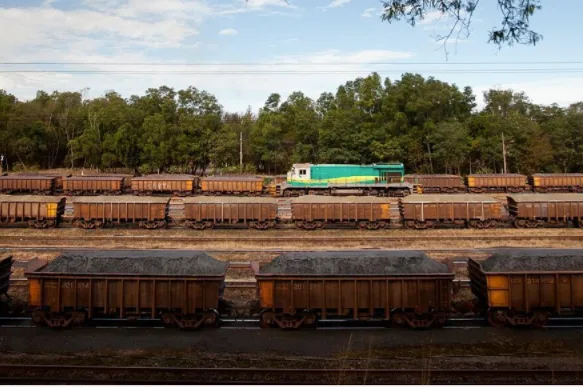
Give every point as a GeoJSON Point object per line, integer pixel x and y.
{"type": "Point", "coordinates": [504, 317]}
{"type": "Point", "coordinates": [192, 321]}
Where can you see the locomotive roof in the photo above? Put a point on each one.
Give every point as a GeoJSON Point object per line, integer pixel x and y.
{"type": "Point", "coordinates": [233, 178]}
{"type": "Point", "coordinates": [560, 197]}
{"type": "Point", "coordinates": [448, 198]}
{"type": "Point", "coordinates": [534, 260]}
{"type": "Point", "coordinates": [120, 199]}
{"type": "Point", "coordinates": [354, 263]}
{"type": "Point", "coordinates": [30, 199]}
{"type": "Point", "coordinates": [165, 177]}
{"type": "Point", "coordinates": [137, 262]}
{"type": "Point", "coordinates": [229, 199]}
{"type": "Point", "coordinates": [340, 199]}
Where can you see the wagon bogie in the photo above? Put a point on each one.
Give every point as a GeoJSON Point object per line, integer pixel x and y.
{"type": "Point", "coordinates": [297, 290]}
{"type": "Point", "coordinates": [182, 289]}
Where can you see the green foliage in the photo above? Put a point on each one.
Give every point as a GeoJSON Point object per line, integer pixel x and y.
{"type": "Point", "coordinates": [430, 125]}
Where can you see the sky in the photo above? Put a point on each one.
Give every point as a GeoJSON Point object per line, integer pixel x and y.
{"type": "Point", "coordinates": [242, 51]}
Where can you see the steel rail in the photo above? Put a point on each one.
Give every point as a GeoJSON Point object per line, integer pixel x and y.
{"type": "Point", "coordinates": [228, 375]}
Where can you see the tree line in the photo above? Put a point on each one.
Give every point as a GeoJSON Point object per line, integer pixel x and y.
{"type": "Point", "coordinates": [429, 125]}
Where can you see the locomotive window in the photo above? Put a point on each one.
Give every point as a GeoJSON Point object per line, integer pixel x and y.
{"type": "Point", "coordinates": [302, 172]}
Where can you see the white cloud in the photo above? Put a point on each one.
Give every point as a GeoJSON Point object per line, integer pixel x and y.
{"type": "Point", "coordinates": [368, 12]}
{"type": "Point", "coordinates": [431, 17]}
{"type": "Point", "coordinates": [336, 4]}
{"type": "Point", "coordinates": [229, 32]}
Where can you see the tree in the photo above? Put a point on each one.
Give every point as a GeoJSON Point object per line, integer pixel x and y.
{"type": "Point", "coordinates": [514, 27]}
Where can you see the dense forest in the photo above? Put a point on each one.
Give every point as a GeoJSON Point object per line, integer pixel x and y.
{"type": "Point", "coordinates": [431, 126]}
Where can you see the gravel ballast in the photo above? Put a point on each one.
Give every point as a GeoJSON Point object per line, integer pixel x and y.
{"type": "Point", "coordinates": [521, 260]}
{"type": "Point", "coordinates": [160, 262]}
{"type": "Point", "coordinates": [354, 263]}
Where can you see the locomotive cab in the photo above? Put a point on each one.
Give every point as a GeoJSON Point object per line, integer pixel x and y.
{"type": "Point", "coordinates": [299, 172]}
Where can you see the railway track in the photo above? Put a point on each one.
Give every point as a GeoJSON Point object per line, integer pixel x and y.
{"type": "Point", "coordinates": [180, 375]}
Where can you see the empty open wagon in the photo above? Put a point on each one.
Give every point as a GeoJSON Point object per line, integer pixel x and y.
{"type": "Point", "coordinates": [96, 185]}
{"type": "Point", "coordinates": [544, 210]}
{"type": "Point", "coordinates": [231, 185]}
{"type": "Point", "coordinates": [207, 212]}
{"type": "Point", "coordinates": [179, 185]}
{"type": "Point", "coordinates": [97, 212]}
{"type": "Point", "coordinates": [509, 182]}
{"type": "Point", "coordinates": [558, 182]}
{"type": "Point", "coordinates": [180, 288]}
{"type": "Point", "coordinates": [402, 287]}
{"type": "Point", "coordinates": [311, 212]}
{"type": "Point", "coordinates": [526, 287]}
{"type": "Point", "coordinates": [437, 183]}
{"type": "Point", "coordinates": [36, 211]}
{"type": "Point", "coordinates": [34, 184]}
{"type": "Point", "coordinates": [428, 211]}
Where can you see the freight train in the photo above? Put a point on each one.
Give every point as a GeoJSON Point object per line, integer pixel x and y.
{"type": "Point", "coordinates": [186, 289]}
{"type": "Point", "coordinates": [310, 212]}
{"type": "Point", "coordinates": [303, 179]}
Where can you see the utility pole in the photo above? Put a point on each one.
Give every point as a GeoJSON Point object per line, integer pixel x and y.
{"type": "Point", "coordinates": [241, 152]}
{"type": "Point", "coordinates": [504, 152]}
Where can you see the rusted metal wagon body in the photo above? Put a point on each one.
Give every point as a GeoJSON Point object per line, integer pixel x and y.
{"type": "Point", "coordinates": [97, 185]}
{"type": "Point", "coordinates": [231, 185]}
{"type": "Point", "coordinates": [181, 288]}
{"type": "Point", "coordinates": [311, 212]}
{"type": "Point", "coordinates": [509, 182]}
{"type": "Point", "coordinates": [437, 183]}
{"type": "Point", "coordinates": [180, 185]}
{"type": "Point", "coordinates": [404, 287]}
{"type": "Point", "coordinates": [34, 184]}
{"type": "Point", "coordinates": [428, 211]}
{"type": "Point", "coordinates": [526, 287]}
{"type": "Point", "coordinates": [37, 211]}
{"type": "Point", "coordinates": [58, 177]}
{"type": "Point", "coordinates": [207, 212]}
{"type": "Point", "coordinates": [5, 271]}
{"type": "Point", "coordinates": [96, 212]}
{"type": "Point", "coordinates": [541, 210]}
{"type": "Point", "coordinates": [558, 182]}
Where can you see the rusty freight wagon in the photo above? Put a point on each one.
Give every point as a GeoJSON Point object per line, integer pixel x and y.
{"type": "Point", "coordinates": [96, 185]}
{"type": "Point", "coordinates": [526, 287]}
{"type": "Point", "coordinates": [58, 177]}
{"type": "Point", "coordinates": [405, 287]}
{"type": "Point", "coordinates": [181, 288]}
{"type": "Point", "coordinates": [436, 183]}
{"type": "Point", "coordinates": [37, 211]}
{"type": "Point", "coordinates": [5, 271]}
{"type": "Point", "coordinates": [96, 212]}
{"type": "Point", "coordinates": [558, 182]}
{"type": "Point", "coordinates": [428, 211]}
{"type": "Point", "coordinates": [366, 212]}
{"type": "Point", "coordinates": [231, 185]}
{"type": "Point", "coordinates": [34, 184]}
{"type": "Point", "coordinates": [207, 212]}
{"type": "Point", "coordinates": [179, 185]}
{"type": "Point", "coordinates": [541, 210]}
{"type": "Point", "coordinates": [509, 182]}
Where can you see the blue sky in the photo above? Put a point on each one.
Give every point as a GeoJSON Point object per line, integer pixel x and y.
{"type": "Point", "coordinates": [338, 39]}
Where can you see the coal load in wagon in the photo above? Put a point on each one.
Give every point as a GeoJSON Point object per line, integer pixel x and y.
{"type": "Point", "coordinates": [183, 263]}
{"type": "Point", "coordinates": [354, 263]}
{"type": "Point", "coordinates": [528, 260]}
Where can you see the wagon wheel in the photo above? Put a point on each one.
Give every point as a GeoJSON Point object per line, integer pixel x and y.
{"type": "Point", "coordinates": [309, 226]}
{"type": "Point", "coordinates": [519, 223]}
{"type": "Point", "coordinates": [299, 224]}
{"type": "Point", "coordinates": [161, 224]}
{"type": "Point", "coordinates": [497, 318]}
{"type": "Point", "coordinates": [540, 320]}
{"type": "Point", "coordinates": [372, 225]}
{"type": "Point", "coordinates": [266, 319]}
